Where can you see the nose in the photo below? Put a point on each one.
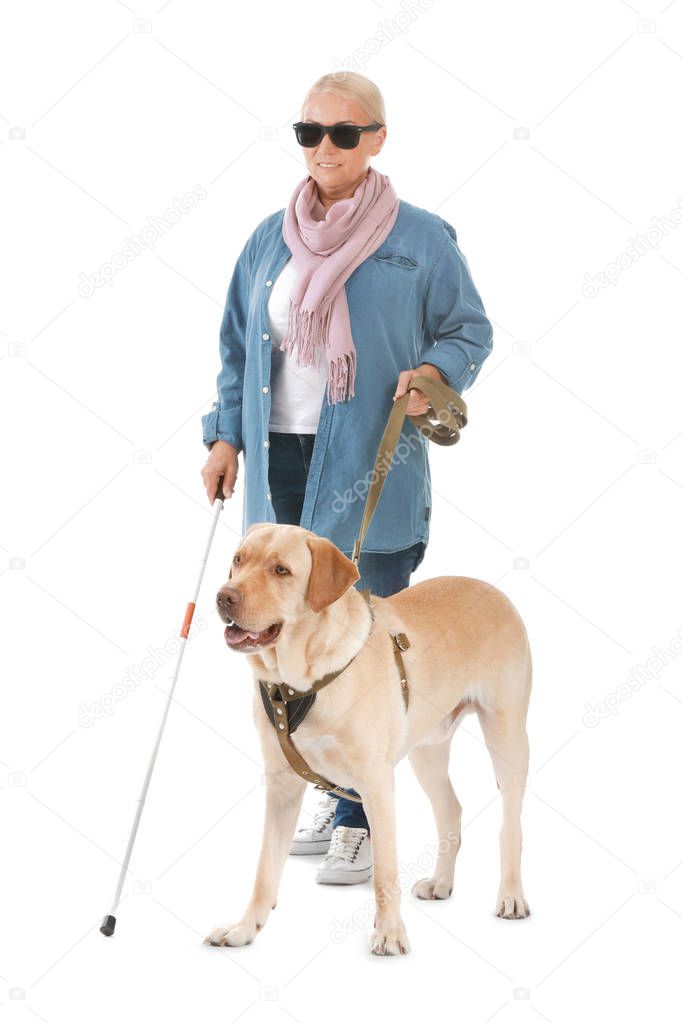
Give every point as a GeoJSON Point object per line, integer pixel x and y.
{"type": "Point", "coordinates": [228, 599]}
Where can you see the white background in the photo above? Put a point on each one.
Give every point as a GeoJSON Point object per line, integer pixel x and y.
{"type": "Point", "coordinates": [548, 134]}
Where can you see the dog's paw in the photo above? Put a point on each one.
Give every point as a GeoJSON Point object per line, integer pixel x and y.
{"type": "Point", "coordinates": [390, 940]}
{"type": "Point", "coordinates": [432, 888]}
{"type": "Point", "coordinates": [512, 906]}
{"type": "Point", "coordinates": [235, 935]}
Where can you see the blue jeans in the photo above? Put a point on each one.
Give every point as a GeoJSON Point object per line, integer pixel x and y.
{"type": "Point", "coordinates": [383, 574]}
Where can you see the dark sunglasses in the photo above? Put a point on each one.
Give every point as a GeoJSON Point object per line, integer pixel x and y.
{"type": "Point", "coordinates": [343, 136]}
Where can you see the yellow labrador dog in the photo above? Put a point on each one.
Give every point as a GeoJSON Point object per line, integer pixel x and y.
{"type": "Point", "coordinates": [291, 606]}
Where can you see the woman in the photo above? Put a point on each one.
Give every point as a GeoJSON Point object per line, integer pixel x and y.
{"type": "Point", "coordinates": [335, 303]}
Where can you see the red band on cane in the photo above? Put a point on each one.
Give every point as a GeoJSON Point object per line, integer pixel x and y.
{"type": "Point", "coordinates": [184, 632]}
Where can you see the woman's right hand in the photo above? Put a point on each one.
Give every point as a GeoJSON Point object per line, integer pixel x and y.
{"type": "Point", "coordinates": [221, 461]}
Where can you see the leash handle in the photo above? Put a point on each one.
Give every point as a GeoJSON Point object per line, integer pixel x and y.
{"type": "Point", "coordinates": [445, 405]}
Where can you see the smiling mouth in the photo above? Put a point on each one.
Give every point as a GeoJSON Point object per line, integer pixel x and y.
{"type": "Point", "coordinates": [244, 639]}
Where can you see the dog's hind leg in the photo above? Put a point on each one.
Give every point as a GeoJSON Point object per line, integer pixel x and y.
{"type": "Point", "coordinates": [430, 764]}
{"type": "Point", "coordinates": [507, 741]}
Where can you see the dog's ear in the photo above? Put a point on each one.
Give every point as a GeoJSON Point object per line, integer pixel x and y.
{"type": "Point", "coordinates": [331, 573]}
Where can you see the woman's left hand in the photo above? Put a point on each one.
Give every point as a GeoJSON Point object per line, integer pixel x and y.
{"type": "Point", "coordinates": [418, 402]}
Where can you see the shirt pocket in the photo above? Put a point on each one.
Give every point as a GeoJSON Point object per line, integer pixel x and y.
{"type": "Point", "coordinates": [399, 259]}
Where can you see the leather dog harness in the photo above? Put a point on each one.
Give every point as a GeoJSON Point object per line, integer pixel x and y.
{"type": "Point", "coordinates": [286, 706]}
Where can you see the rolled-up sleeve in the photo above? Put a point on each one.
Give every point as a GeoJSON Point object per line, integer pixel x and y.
{"type": "Point", "coordinates": [458, 336]}
{"type": "Point", "coordinates": [224, 422]}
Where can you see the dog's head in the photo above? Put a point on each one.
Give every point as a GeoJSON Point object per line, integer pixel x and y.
{"type": "Point", "coordinates": [278, 573]}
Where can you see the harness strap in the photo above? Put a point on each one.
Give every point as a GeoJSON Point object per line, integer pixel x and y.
{"type": "Point", "coordinates": [401, 642]}
{"type": "Point", "coordinates": [294, 758]}
{"type": "Point", "coordinates": [286, 707]}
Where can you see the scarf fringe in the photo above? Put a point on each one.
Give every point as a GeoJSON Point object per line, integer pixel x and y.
{"type": "Point", "coordinates": [304, 330]}
{"type": "Point", "coordinates": [341, 379]}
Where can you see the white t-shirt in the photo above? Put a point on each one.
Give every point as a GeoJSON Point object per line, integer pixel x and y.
{"type": "Point", "coordinates": [296, 391]}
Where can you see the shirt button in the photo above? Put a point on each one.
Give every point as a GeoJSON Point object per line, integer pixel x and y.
{"type": "Point", "coordinates": [268, 284]}
{"type": "Point", "coordinates": [269, 496]}
{"type": "Point", "coordinates": [266, 443]}
{"type": "Point", "coordinates": [266, 389]}
{"type": "Point", "coordinates": [266, 337]}
{"type": "Point", "coordinates": [472, 365]}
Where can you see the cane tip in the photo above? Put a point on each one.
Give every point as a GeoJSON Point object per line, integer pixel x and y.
{"type": "Point", "coordinates": [108, 926]}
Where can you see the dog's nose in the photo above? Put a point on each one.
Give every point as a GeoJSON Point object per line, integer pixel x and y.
{"type": "Point", "coordinates": [228, 598]}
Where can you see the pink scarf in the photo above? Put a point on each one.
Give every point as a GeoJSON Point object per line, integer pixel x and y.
{"type": "Point", "coordinates": [326, 247]}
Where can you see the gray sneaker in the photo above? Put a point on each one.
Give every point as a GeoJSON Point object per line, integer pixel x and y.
{"type": "Point", "coordinates": [315, 838]}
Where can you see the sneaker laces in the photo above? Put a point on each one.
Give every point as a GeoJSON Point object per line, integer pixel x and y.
{"type": "Point", "coordinates": [346, 842]}
{"type": "Point", "coordinates": [324, 815]}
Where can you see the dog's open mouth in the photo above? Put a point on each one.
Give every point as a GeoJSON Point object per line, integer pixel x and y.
{"type": "Point", "coordinates": [243, 639]}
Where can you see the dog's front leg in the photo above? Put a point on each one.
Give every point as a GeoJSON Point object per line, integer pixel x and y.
{"type": "Point", "coordinates": [283, 798]}
{"type": "Point", "coordinates": [378, 799]}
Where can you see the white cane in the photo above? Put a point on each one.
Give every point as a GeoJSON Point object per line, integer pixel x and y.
{"type": "Point", "coordinates": [109, 921]}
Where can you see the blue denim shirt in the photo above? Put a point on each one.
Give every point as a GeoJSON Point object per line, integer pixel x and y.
{"type": "Point", "coordinates": [412, 301]}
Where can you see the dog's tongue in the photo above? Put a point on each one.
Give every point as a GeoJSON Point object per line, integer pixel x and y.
{"type": "Point", "coordinates": [244, 635]}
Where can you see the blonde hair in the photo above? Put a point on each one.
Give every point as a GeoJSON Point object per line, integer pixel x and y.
{"type": "Point", "coordinates": [354, 87]}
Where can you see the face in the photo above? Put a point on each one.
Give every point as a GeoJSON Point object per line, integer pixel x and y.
{"type": "Point", "coordinates": [278, 574]}
{"type": "Point", "coordinates": [349, 166]}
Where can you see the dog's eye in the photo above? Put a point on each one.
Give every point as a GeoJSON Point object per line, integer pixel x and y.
{"type": "Point", "coordinates": [281, 570]}
{"type": "Point", "coordinates": [235, 560]}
